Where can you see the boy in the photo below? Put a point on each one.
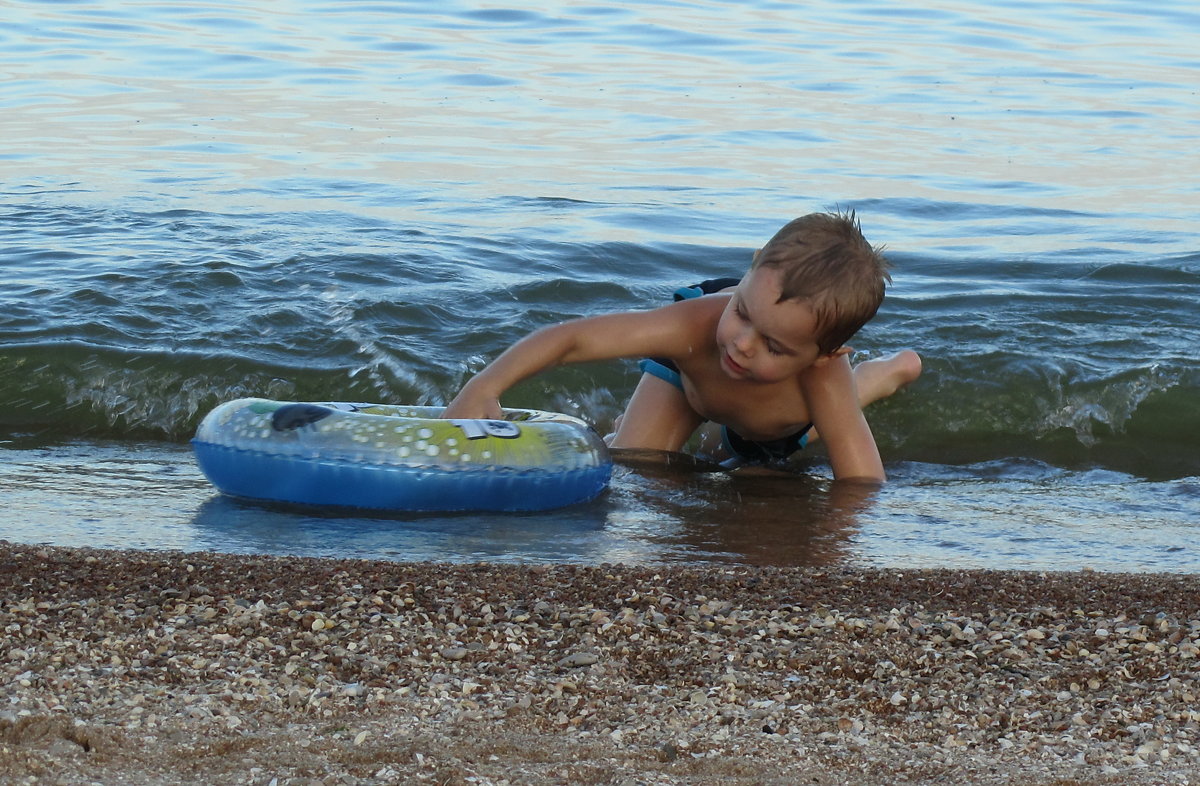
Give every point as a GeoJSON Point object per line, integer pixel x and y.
{"type": "Point", "coordinates": [765, 359]}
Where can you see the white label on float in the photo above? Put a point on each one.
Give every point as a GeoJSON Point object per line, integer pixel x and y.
{"type": "Point", "coordinates": [478, 429]}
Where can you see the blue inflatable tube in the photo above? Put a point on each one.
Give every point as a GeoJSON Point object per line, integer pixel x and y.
{"type": "Point", "coordinates": [398, 458]}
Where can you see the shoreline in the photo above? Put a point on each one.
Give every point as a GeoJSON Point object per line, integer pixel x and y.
{"type": "Point", "coordinates": [164, 667]}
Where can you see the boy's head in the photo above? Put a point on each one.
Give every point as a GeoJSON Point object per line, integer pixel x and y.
{"type": "Point", "coordinates": [824, 260]}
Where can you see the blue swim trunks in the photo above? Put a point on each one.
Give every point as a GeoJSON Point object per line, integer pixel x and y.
{"type": "Point", "coordinates": [745, 451]}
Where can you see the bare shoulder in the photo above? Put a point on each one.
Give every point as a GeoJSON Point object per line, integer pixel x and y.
{"type": "Point", "coordinates": [708, 307]}
{"type": "Point", "coordinates": [684, 326]}
{"type": "Point", "coordinates": [832, 375]}
{"type": "Point", "coordinates": [831, 397]}
{"type": "Point", "coordinates": [676, 330]}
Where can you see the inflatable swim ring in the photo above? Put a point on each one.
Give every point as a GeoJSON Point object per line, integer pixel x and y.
{"type": "Point", "coordinates": [399, 458]}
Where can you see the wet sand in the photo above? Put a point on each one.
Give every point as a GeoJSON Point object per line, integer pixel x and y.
{"type": "Point", "coordinates": [167, 668]}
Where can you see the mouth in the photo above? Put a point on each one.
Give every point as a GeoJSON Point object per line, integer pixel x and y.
{"type": "Point", "coordinates": [732, 366]}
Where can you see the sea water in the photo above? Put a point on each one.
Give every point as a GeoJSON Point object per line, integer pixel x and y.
{"type": "Point", "coordinates": [368, 201]}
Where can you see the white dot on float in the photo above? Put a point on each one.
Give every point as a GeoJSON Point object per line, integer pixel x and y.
{"type": "Point", "coordinates": [433, 450]}
{"type": "Point", "coordinates": [425, 433]}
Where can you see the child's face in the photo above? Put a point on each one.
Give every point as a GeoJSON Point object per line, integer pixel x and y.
{"type": "Point", "coordinates": [762, 339]}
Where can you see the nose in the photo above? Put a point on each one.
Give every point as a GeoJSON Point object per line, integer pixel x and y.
{"type": "Point", "coordinates": [743, 341]}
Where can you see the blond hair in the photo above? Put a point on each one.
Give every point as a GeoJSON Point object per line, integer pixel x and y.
{"type": "Point", "coordinates": [824, 260]}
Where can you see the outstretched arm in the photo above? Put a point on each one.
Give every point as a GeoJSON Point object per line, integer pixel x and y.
{"type": "Point", "coordinates": [630, 334]}
{"type": "Point", "coordinates": [542, 349]}
{"type": "Point", "coordinates": [833, 404]}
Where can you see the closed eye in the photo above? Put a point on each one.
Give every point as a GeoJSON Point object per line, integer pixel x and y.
{"type": "Point", "coordinates": [772, 347]}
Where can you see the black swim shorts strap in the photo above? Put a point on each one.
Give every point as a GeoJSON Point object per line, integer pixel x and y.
{"type": "Point", "coordinates": [708, 287]}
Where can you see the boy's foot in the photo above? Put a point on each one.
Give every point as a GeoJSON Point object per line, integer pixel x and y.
{"type": "Point", "coordinates": [882, 377]}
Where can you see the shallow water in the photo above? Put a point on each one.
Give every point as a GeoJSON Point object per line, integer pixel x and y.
{"type": "Point", "coordinates": [319, 201]}
{"type": "Point", "coordinates": [1000, 515]}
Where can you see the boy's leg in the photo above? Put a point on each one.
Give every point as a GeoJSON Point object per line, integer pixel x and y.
{"type": "Point", "coordinates": [658, 417]}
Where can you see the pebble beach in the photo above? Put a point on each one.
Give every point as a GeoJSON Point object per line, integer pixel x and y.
{"type": "Point", "coordinates": [122, 667]}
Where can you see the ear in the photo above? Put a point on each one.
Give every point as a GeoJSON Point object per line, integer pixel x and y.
{"type": "Point", "coordinates": [834, 355]}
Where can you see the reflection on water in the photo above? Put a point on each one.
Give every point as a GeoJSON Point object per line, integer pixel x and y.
{"type": "Point", "coordinates": [752, 516]}
{"type": "Point", "coordinates": [410, 108]}
{"type": "Point", "coordinates": [226, 524]}
{"type": "Point", "coordinates": [663, 509]}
